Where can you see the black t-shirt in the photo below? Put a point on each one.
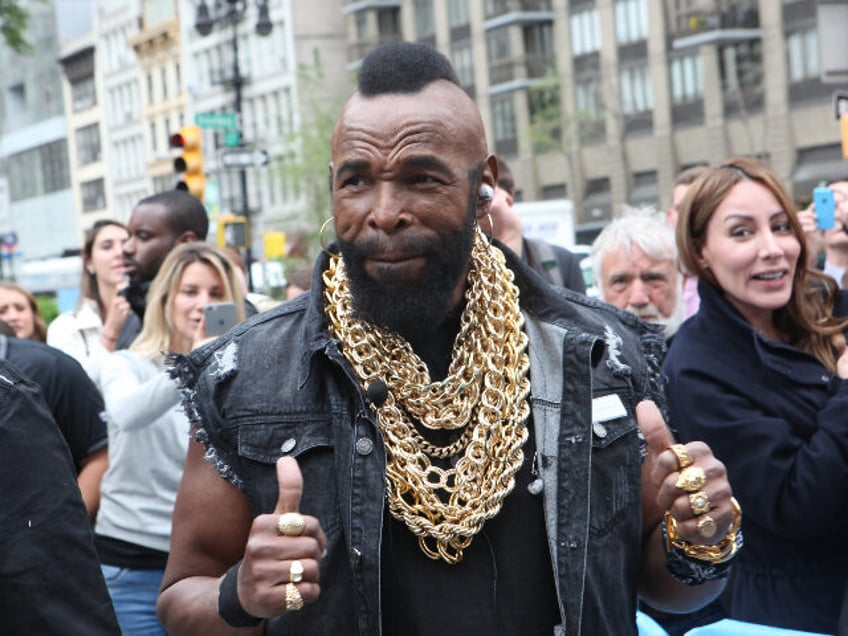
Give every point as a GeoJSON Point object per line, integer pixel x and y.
{"type": "Point", "coordinates": [50, 579]}
{"type": "Point", "coordinates": [73, 398]}
{"type": "Point", "coordinates": [504, 584]}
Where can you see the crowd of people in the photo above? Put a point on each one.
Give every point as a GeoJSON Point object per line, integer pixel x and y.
{"type": "Point", "coordinates": [440, 433]}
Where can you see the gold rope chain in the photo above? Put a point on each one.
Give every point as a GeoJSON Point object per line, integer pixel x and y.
{"type": "Point", "coordinates": [486, 392]}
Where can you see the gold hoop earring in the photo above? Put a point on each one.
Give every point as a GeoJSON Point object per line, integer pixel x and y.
{"type": "Point", "coordinates": [491, 227]}
{"type": "Point", "coordinates": [321, 236]}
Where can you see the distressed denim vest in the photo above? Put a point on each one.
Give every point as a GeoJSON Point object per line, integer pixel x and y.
{"type": "Point", "coordinates": [278, 384]}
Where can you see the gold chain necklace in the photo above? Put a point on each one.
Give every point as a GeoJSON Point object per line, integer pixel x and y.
{"type": "Point", "coordinates": [485, 392]}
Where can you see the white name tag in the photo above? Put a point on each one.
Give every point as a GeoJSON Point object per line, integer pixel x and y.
{"type": "Point", "coordinates": [607, 407]}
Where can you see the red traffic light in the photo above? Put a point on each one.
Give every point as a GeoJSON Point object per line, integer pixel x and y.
{"type": "Point", "coordinates": [177, 140]}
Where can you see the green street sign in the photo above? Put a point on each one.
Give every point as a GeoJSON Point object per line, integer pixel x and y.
{"type": "Point", "coordinates": [232, 138]}
{"type": "Point", "coordinates": [225, 121]}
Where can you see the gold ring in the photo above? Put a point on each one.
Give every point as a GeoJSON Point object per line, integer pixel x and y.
{"type": "Point", "coordinates": [699, 502]}
{"type": "Point", "coordinates": [296, 572]}
{"type": "Point", "coordinates": [691, 479]}
{"type": "Point", "coordinates": [683, 459]}
{"type": "Point", "coordinates": [707, 527]}
{"type": "Point", "coordinates": [294, 601]}
{"type": "Point", "coordinates": [291, 524]}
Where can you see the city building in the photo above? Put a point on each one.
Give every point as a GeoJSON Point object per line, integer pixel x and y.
{"type": "Point", "coordinates": [605, 101]}
{"type": "Point", "coordinates": [36, 199]}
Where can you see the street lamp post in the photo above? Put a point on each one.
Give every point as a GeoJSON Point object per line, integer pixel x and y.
{"type": "Point", "coordinates": [203, 24]}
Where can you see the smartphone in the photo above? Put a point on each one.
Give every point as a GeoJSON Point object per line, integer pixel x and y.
{"type": "Point", "coordinates": [825, 207]}
{"type": "Point", "coordinates": [219, 317]}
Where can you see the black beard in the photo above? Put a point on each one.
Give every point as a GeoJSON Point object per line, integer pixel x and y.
{"type": "Point", "coordinates": [410, 310]}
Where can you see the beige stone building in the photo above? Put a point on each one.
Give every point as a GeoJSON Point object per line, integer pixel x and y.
{"type": "Point", "coordinates": [605, 101]}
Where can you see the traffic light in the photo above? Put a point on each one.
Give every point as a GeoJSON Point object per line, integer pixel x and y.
{"type": "Point", "coordinates": [190, 162]}
{"type": "Point", "coordinates": [232, 231]}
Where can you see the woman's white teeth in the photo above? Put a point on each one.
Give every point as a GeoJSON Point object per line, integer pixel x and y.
{"type": "Point", "coordinates": [771, 276]}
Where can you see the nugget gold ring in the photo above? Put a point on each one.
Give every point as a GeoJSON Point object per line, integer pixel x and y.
{"type": "Point", "coordinates": [692, 479]}
{"type": "Point", "coordinates": [707, 527]}
{"type": "Point", "coordinates": [683, 459]}
{"type": "Point", "coordinates": [699, 502]}
{"type": "Point", "coordinates": [296, 572]}
{"type": "Point", "coordinates": [291, 524]}
{"type": "Point", "coordinates": [294, 601]}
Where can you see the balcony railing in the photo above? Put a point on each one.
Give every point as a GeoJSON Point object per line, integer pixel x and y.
{"type": "Point", "coordinates": [716, 21]}
{"type": "Point", "coordinates": [529, 66]}
{"type": "Point", "coordinates": [494, 8]}
{"type": "Point", "coordinates": [358, 50]}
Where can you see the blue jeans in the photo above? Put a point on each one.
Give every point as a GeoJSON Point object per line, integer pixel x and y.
{"type": "Point", "coordinates": [134, 595]}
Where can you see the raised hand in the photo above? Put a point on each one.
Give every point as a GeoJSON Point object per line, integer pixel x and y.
{"type": "Point", "coordinates": [687, 480]}
{"type": "Point", "coordinates": [280, 568]}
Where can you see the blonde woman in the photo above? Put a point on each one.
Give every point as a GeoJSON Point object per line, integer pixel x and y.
{"type": "Point", "coordinates": [148, 431]}
{"type": "Point", "coordinates": [91, 331]}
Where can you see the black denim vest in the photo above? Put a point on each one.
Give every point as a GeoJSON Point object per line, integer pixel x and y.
{"type": "Point", "coordinates": [278, 384]}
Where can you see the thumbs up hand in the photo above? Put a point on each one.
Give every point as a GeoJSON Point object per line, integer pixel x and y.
{"type": "Point", "coordinates": [279, 571]}
{"type": "Point", "coordinates": [689, 499]}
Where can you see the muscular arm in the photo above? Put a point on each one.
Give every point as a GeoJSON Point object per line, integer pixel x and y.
{"type": "Point", "coordinates": [89, 478]}
{"type": "Point", "coordinates": [211, 523]}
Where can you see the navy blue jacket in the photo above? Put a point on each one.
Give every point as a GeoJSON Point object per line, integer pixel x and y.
{"type": "Point", "coordinates": [778, 419]}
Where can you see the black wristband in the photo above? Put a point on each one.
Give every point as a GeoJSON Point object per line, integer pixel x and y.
{"type": "Point", "coordinates": [691, 571]}
{"type": "Point", "coordinates": [229, 607]}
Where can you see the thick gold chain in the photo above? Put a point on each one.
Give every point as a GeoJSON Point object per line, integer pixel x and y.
{"type": "Point", "coordinates": [485, 392]}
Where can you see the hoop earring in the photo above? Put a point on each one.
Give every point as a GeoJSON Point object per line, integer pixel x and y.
{"type": "Point", "coordinates": [321, 236]}
{"type": "Point", "coordinates": [491, 227]}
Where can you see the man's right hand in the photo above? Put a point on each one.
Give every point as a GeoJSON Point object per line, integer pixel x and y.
{"type": "Point", "coordinates": [268, 556]}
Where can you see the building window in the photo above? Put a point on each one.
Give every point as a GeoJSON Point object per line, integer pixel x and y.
{"type": "Point", "coordinates": [93, 195]}
{"type": "Point", "coordinates": [39, 171]}
{"type": "Point", "coordinates": [741, 66]}
{"type": "Point", "coordinates": [163, 78]}
{"type": "Point", "coordinates": [88, 144]}
{"type": "Point", "coordinates": [150, 98]}
{"type": "Point", "coordinates": [458, 13]}
{"type": "Point", "coordinates": [585, 32]}
{"type": "Point", "coordinates": [54, 162]}
{"type": "Point", "coordinates": [424, 21]}
{"type": "Point", "coordinates": [361, 20]}
{"type": "Point", "coordinates": [802, 49]}
{"type": "Point", "coordinates": [497, 45]}
{"type": "Point", "coordinates": [177, 78]}
{"type": "Point", "coordinates": [636, 93]}
{"type": "Point", "coordinates": [588, 98]}
{"type": "Point", "coordinates": [631, 21]}
{"type": "Point", "coordinates": [388, 22]}
{"type": "Point", "coordinates": [83, 94]}
{"type": "Point", "coordinates": [503, 114]}
{"type": "Point", "coordinates": [463, 63]}
{"type": "Point", "coordinates": [153, 143]}
{"type": "Point", "coordinates": [687, 78]}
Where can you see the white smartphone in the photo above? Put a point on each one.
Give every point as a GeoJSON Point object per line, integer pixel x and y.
{"type": "Point", "coordinates": [219, 317]}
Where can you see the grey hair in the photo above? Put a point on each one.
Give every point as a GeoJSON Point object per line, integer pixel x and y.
{"type": "Point", "coordinates": [643, 227]}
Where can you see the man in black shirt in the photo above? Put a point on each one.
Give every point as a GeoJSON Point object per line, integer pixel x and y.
{"type": "Point", "coordinates": [75, 403]}
{"type": "Point", "coordinates": [50, 579]}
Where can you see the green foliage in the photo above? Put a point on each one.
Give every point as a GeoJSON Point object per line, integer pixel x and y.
{"type": "Point", "coordinates": [47, 307]}
{"type": "Point", "coordinates": [14, 20]}
{"type": "Point", "coordinates": [306, 166]}
{"type": "Point", "coordinates": [546, 124]}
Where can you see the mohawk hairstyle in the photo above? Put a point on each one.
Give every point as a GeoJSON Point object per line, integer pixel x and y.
{"type": "Point", "coordinates": [403, 67]}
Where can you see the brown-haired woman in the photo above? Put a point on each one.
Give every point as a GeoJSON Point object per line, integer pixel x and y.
{"type": "Point", "coordinates": [19, 309]}
{"type": "Point", "coordinates": [91, 331]}
{"type": "Point", "coordinates": [759, 375]}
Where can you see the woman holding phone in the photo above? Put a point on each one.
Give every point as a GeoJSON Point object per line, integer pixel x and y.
{"type": "Point", "coordinates": [759, 374]}
{"type": "Point", "coordinates": [148, 431]}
